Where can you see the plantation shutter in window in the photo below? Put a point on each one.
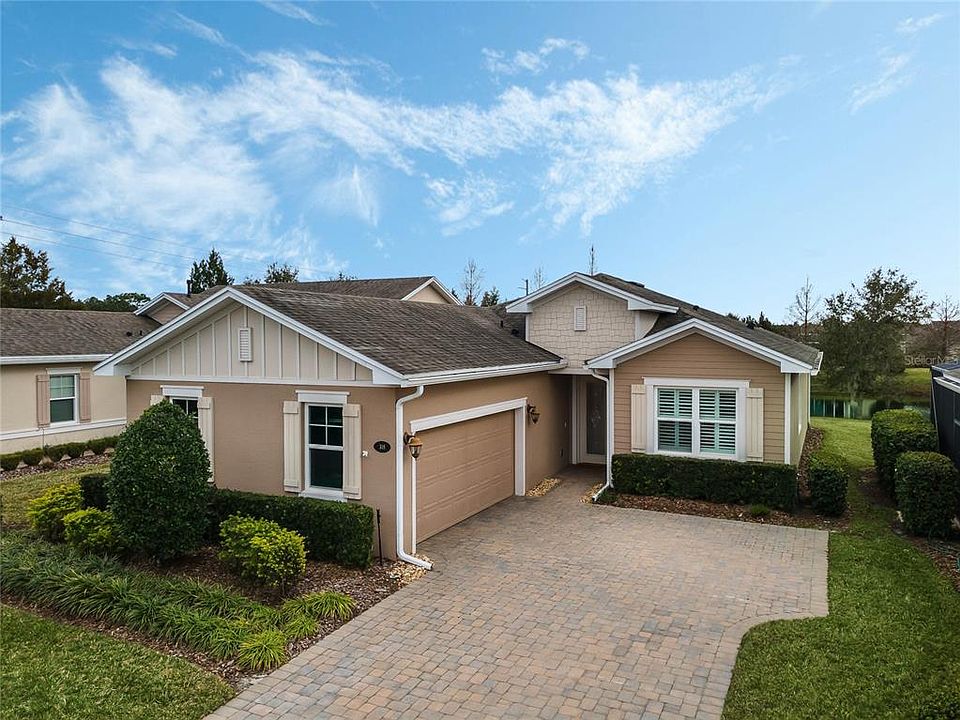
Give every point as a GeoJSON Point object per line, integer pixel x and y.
{"type": "Point", "coordinates": [352, 451]}
{"type": "Point", "coordinates": [638, 418]}
{"type": "Point", "coordinates": [244, 344]}
{"type": "Point", "coordinates": [83, 398]}
{"type": "Point", "coordinates": [43, 399]}
{"type": "Point", "coordinates": [755, 424]}
{"type": "Point", "coordinates": [292, 447]}
{"type": "Point", "coordinates": [205, 421]}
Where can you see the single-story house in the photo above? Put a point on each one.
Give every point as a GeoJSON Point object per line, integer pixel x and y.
{"type": "Point", "coordinates": [48, 393]}
{"type": "Point", "coordinates": [304, 391]}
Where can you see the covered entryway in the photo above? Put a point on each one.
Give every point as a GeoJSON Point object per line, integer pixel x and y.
{"type": "Point", "coordinates": [466, 467]}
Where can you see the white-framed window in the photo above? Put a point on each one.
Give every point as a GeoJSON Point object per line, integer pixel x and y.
{"type": "Point", "coordinates": [63, 398]}
{"type": "Point", "coordinates": [699, 421]}
{"type": "Point", "coordinates": [323, 435]}
{"type": "Point", "coordinates": [185, 397]}
{"type": "Point", "coordinates": [188, 405]}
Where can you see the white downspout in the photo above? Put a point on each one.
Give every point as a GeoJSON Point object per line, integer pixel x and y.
{"type": "Point", "coordinates": [400, 510]}
{"type": "Point", "coordinates": [609, 473]}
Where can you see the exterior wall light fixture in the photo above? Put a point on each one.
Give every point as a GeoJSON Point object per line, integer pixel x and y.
{"type": "Point", "coordinates": [533, 414]}
{"type": "Point", "coordinates": [414, 444]}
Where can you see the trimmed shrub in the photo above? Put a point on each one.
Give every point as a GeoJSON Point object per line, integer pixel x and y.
{"type": "Point", "coordinates": [722, 481]}
{"type": "Point", "coordinates": [10, 461]}
{"type": "Point", "coordinates": [828, 476]}
{"type": "Point", "coordinates": [47, 511]}
{"type": "Point", "coordinates": [93, 531]}
{"type": "Point", "coordinates": [99, 445]}
{"type": "Point", "coordinates": [332, 531]}
{"type": "Point", "coordinates": [262, 552]}
{"type": "Point", "coordinates": [94, 490]}
{"type": "Point", "coordinates": [74, 449]}
{"type": "Point", "coordinates": [896, 431]}
{"type": "Point", "coordinates": [33, 457]}
{"type": "Point", "coordinates": [927, 486]}
{"type": "Point", "coordinates": [759, 511]}
{"type": "Point", "coordinates": [158, 484]}
{"type": "Point", "coordinates": [55, 452]}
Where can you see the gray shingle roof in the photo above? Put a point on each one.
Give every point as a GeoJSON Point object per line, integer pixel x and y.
{"type": "Point", "coordinates": [395, 288]}
{"type": "Point", "coordinates": [771, 340]}
{"type": "Point", "coordinates": [29, 332]}
{"type": "Point", "coordinates": [411, 338]}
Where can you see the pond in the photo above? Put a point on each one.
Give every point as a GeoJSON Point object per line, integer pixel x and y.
{"type": "Point", "coordinates": [838, 407]}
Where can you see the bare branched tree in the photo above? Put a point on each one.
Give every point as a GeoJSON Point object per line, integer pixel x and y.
{"type": "Point", "coordinates": [803, 312]}
{"type": "Point", "coordinates": [538, 279]}
{"type": "Point", "coordinates": [471, 282]}
{"type": "Point", "coordinates": [593, 260]}
{"type": "Point", "coordinates": [945, 326]}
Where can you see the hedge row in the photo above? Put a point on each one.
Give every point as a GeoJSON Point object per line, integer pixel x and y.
{"type": "Point", "coordinates": [928, 492]}
{"type": "Point", "coordinates": [200, 615]}
{"type": "Point", "coordinates": [30, 458]}
{"type": "Point", "coordinates": [725, 481]}
{"type": "Point", "coordinates": [828, 475]}
{"type": "Point", "coordinates": [333, 531]}
{"type": "Point", "coordinates": [897, 431]}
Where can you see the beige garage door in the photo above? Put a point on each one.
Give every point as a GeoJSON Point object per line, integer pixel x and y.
{"type": "Point", "coordinates": [464, 468]}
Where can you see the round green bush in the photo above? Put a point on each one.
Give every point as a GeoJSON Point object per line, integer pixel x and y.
{"type": "Point", "coordinates": [93, 531]}
{"type": "Point", "coordinates": [47, 512]}
{"type": "Point", "coordinates": [75, 449]}
{"type": "Point", "coordinates": [158, 484]}
{"type": "Point", "coordinates": [897, 431]}
{"type": "Point", "coordinates": [10, 461]}
{"type": "Point", "coordinates": [827, 478]}
{"type": "Point", "coordinates": [927, 485]}
{"type": "Point", "coordinates": [262, 552]}
{"type": "Point", "coordinates": [32, 458]}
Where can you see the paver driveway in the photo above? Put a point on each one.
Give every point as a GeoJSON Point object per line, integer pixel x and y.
{"type": "Point", "coordinates": [547, 607]}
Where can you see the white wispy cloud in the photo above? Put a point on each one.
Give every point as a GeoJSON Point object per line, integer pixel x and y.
{"type": "Point", "coordinates": [465, 204]}
{"type": "Point", "coordinates": [161, 49]}
{"type": "Point", "coordinates": [352, 192]}
{"type": "Point", "coordinates": [894, 76]}
{"type": "Point", "coordinates": [912, 25]}
{"type": "Point", "coordinates": [531, 61]}
{"type": "Point", "coordinates": [204, 32]}
{"type": "Point", "coordinates": [294, 11]}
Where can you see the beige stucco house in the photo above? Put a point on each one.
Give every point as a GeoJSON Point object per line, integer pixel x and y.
{"type": "Point", "coordinates": [315, 390]}
{"type": "Point", "coordinates": [48, 392]}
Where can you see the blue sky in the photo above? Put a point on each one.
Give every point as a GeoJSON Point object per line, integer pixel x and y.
{"type": "Point", "coordinates": [720, 152]}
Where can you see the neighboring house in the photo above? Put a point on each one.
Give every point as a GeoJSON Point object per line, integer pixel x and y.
{"type": "Point", "coordinates": [945, 408]}
{"type": "Point", "coordinates": [48, 394]}
{"type": "Point", "coordinates": [301, 390]}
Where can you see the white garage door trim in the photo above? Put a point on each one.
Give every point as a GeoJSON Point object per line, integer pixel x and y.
{"type": "Point", "coordinates": [519, 406]}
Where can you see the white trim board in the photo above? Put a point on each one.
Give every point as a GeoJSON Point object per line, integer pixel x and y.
{"type": "Point", "coordinates": [447, 376]}
{"type": "Point", "coordinates": [450, 418]}
{"type": "Point", "coordinates": [153, 301]}
{"type": "Point", "coordinates": [634, 302]}
{"type": "Point", "coordinates": [182, 391]}
{"type": "Point", "coordinates": [49, 359]}
{"type": "Point", "coordinates": [652, 342]}
{"type": "Point", "coordinates": [319, 397]}
{"type": "Point", "coordinates": [65, 428]}
{"type": "Point", "coordinates": [241, 380]}
{"type": "Point", "coordinates": [438, 286]}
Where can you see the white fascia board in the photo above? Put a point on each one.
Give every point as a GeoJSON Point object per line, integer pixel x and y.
{"type": "Point", "coordinates": [151, 303]}
{"type": "Point", "coordinates": [949, 383]}
{"type": "Point", "coordinates": [634, 302]}
{"type": "Point", "coordinates": [448, 376]}
{"type": "Point", "coordinates": [816, 368]}
{"type": "Point", "coordinates": [651, 342]}
{"type": "Point", "coordinates": [117, 364]}
{"type": "Point", "coordinates": [439, 287]}
{"type": "Point", "coordinates": [50, 359]}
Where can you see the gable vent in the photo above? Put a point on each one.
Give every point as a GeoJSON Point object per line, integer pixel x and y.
{"type": "Point", "coordinates": [244, 344]}
{"type": "Point", "coordinates": [580, 318]}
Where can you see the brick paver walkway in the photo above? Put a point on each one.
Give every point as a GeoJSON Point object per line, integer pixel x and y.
{"type": "Point", "coordinates": [547, 607]}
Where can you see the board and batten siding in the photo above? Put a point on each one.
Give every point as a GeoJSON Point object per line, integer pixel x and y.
{"type": "Point", "coordinates": [695, 356]}
{"type": "Point", "coordinates": [209, 350]}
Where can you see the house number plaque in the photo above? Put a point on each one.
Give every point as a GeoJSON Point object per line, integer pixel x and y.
{"type": "Point", "coordinates": [381, 446]}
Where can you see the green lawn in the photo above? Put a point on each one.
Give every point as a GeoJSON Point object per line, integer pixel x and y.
{"type": "Point", "coordinates": [17, 492]}
{"type": "Point", "coordinates": [53, 671]}
{"type": "Point", "coordinates": [911, 384]}
{"type": "Point", "coordinates": [892, 637]}
{"type": "Point", "coordinates": [849, 438]}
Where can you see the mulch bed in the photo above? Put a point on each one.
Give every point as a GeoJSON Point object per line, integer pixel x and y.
{"type": "Point", "coordinates": [85, 461]}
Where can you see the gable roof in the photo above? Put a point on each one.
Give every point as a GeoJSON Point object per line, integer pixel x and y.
{"type": "Point", "coordinates": [622, 290]}
{"type": "Point", "coordinates": [411, 338]}
{"type": "Point", "coordinates": [399, 288]}
{"type": "Point", "coordinates": [685, 311]}
{"type": "Point", "coordinates": [33, 333]}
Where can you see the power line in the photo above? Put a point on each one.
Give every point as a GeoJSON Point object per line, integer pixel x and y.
{"type": "Point", "coordinates": [89, 249]}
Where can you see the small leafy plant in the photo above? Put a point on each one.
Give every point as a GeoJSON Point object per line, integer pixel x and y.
{"type": "Point", "coordinates": [93, 531]}
{"type": "Point", "coordinates": [48, 511]}
{"type": "Point", "coordinates": [262, 552]}
{"type": "Point", "coordinates": [758, 511]}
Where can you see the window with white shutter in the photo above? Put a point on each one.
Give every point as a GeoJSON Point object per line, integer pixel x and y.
{"type": "Point", "coordinates": [244, 344]}
{"type": "Point", "coordinates": [580, 318]}
{"type": "Point", "coordinates": [697, 421]}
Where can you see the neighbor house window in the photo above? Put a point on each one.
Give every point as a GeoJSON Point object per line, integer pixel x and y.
{"type": "Point", "coordinates": [324, 442]}
{"type": "Point", "coordinates": [63, 398]}
{"type": "Point", "coordinates": [696, 421]}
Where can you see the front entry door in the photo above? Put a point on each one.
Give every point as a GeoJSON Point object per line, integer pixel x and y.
{"type": "Point", "coordinates": [592, 416]}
